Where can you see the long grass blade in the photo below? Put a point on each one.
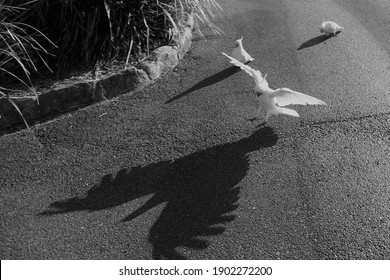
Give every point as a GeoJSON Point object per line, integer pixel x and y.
{"type": "Point", "coordinates": [17, 109]}
{"type": "Point", "coordinates": [128, 54]}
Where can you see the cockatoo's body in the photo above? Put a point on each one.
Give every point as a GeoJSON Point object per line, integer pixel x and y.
{"type": "Point", "coordinates": [271, 100]}
{"type": "Point", "coordinates": [240, 54]}
{"type": "Point", "coordinates": [330, 28]}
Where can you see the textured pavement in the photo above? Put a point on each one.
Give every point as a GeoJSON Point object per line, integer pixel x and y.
{"type": "Point", "coordinates": [177, 171]}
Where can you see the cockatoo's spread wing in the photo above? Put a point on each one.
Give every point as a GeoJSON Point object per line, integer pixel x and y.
{"type": "Point", "coordinates": [286, 96]}
{"type": "Point", "coordinates": [244, 67]}
{"type": "Point", "coordinates": [256, 74]}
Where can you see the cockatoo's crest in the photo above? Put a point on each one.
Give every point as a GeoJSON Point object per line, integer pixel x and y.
{"type": "Point", "coordinates": [239, 42]}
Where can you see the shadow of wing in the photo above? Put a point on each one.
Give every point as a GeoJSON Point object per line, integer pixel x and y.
{"type": "Point", "coordinates": [200, 190]}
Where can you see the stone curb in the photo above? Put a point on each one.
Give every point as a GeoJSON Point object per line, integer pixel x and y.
{"type": "Point", "coordinates": [57, 101]}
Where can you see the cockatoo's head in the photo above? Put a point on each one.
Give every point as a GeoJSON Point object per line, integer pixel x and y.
{"type": "Point", "coordinates": [239, 42]}
{"type": "Point", "coordinates": [262, 84]}
{"type": "Point", "coordinates": [264, 81]}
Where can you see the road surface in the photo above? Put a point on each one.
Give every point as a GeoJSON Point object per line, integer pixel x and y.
{"type": "Point", "coordinates": [178, 172]}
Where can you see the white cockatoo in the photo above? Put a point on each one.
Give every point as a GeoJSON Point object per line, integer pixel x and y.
{"type": "Point", "coordinates": [330, 28]}
{"type": "Point", "coordinates": [272, 100]}
{"type": "Point", "coordinates": [240, 54]}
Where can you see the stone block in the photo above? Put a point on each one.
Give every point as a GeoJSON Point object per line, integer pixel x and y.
{"type": "Point", "coordinates": [159, 62]}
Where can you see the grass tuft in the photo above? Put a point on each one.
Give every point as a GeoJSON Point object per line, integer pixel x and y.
{"type": "Point", "coordinates": [20, 50]}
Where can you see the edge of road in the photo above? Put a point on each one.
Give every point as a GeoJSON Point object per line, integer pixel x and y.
{"type": "Point", "coordinates": [57, 101]}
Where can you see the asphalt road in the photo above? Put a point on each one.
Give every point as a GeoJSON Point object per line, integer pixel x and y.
{"type": "Point", "coordinates": [178, 172]}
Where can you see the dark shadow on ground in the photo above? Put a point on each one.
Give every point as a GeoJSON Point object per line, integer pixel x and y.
{"type": "Point", "coordinates": [315, 41]}
{"type": "Point", "coordinates": [207, 82]}
{"type": "Point", "coordinates": [200, 191]}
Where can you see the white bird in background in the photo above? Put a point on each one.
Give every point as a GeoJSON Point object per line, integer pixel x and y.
{"type": "Point", "coordinates": [240, 54]}
{"type": "Point", "coordinates": [330, 28]}
{"type": "Point", "coordinates": [270, 99]}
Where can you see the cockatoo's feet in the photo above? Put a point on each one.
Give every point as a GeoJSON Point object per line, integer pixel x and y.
{"type": "Point", "coordinates": [264, 123]}
{"type": "Point", "coordinates": [335, 34]}
{"type": "Point", "coordinates": [252, 119]}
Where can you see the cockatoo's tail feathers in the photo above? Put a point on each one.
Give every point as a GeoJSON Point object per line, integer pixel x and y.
{"type": "Point", "coordinates": [286, 96]}
{"type": "Point", "coordinates": [287, 111]}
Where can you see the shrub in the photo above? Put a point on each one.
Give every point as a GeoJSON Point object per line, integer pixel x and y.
{"type": "Point", "coordinates": [90, 30]}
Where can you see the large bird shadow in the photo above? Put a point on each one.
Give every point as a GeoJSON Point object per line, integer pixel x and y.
{"type": "Point", "coordinates": [200, 191]}
{"type": "Point", "coordinates": [315, 41]}
{"type": "Point", "coordinates": [217, 77]}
